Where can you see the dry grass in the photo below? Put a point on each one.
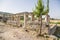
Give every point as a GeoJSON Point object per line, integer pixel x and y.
{"type": "Point", "coordinates": [53, 22]}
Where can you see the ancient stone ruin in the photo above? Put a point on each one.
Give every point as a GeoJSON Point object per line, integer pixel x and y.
{"type": "Point", "coordinates": [27, 21]}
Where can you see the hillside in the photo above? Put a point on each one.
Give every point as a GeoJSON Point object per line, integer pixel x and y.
{"type": "Point", "coordinates": [4, 13]}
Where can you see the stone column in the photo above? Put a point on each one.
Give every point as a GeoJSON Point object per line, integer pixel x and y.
{"type": "Point", "coordinates": [15, 20]}
{"type": "Point", "coordinates": [10, 20]}
{"type": "Point", "coordinates": [18, 21]}
{"type": "Point", "coordinates": [14, 17]}
{"type": "Point", "coordinates": [32, 17]}
{"type": "Point", "coordinates": [25, 21]}
{"type": "Point", "coordinates": [47, 19]}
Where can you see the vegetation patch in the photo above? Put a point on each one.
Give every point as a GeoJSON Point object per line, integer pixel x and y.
{"type": "Point", "coordinates": [54, 22]}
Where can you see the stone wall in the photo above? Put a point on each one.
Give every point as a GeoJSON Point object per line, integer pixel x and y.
{"type": "Point", "coordinates": [53, 29]}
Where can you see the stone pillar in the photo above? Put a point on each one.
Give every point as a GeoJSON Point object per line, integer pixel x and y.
{"type": "Point", "coordinates": [15, 20]}
{"type": "Point", "coordinates": [32, 17]}
{"type": "Point", "coordinates": [47, 19]}
{"type": "Point", "coordinates": [10, 20]}
{"type": "Point", "coordinates": [18, 20]}
{"type": "Point", "coordinates": [25, 21]}
{"type": "Point", "coordinates": [14, 17]}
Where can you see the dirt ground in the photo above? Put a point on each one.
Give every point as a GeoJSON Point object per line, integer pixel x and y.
{"type": "Point", "coordinates": [13, 33]}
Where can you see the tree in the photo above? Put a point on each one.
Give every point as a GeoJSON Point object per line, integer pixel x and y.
{"type": "Point", "coordinates": [46, 11]}
{"type": "Point", "coordinates": [39, 9]}
{"type": "Point", "coordinates": [38, 12]}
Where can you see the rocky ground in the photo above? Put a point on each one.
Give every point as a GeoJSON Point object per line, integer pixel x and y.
{"type": "Point", "coordinates": [13, 33]}
{"type": "Point", "coordinates": [8, 32]}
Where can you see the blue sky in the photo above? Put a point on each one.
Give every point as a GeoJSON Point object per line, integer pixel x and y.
{"type": "Point", "coordinates": [14, 6]}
